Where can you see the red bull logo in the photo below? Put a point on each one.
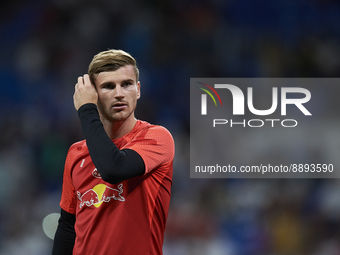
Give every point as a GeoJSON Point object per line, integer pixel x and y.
{"type": "Point", "coordinates": [99, 194]}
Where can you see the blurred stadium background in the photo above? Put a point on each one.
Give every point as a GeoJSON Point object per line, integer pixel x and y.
{"type": "Point", "coordinates": [46, 45]}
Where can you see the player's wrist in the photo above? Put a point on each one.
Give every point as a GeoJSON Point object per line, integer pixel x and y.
{"type": "Point", "coordinates": [87, 106]}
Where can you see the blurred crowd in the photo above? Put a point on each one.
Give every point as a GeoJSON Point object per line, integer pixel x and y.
{"type": "Point", "coordinates": [46, 45]}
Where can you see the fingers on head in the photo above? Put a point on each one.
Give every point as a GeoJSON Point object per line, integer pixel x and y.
{"type": "Point", "coordinates": [87, 80]}
{"type": "Point", "coordinates": [80, 80]}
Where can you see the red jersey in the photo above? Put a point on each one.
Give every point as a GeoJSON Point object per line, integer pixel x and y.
{"type": "Point", "coordinates": [124, 218]}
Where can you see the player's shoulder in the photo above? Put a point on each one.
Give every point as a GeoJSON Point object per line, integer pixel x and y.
{"type": "Point", "coordinates": [152, 129]}
{"type": "Point", "coordinates": [75, 152]}
{"type": "Point", "coordinates": [78, 148]}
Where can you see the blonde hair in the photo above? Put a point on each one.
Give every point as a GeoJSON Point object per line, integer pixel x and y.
{"type": "Point", "coordinates": [111, 60]}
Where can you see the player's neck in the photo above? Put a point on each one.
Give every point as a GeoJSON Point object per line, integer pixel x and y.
{"type": "Point", "coordinates": [118, 129]}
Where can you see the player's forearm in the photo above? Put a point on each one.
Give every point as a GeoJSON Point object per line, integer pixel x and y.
{"type": "Point", "coordinates": [114, 165]}
{"type": "Point", "coordinates": [65, 235]}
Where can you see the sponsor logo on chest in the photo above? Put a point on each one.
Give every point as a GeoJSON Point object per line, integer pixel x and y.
{"type": "Point", "coordinates": [100, 193]}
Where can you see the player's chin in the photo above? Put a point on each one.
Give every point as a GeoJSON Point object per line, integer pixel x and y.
{"type": "Point", "coordinates": [120, 116]}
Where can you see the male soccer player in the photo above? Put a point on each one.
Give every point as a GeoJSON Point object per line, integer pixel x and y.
{"type": "Point", "coordinates": [117, 182]}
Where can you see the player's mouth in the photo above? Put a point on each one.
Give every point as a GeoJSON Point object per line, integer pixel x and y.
{"type": "Point", "coordinates": [119, 106]}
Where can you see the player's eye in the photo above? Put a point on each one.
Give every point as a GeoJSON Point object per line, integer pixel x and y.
{"type": "Point", "coordinates": [126, 84]}
{"type": "Point", "coordinates": [108, 86]}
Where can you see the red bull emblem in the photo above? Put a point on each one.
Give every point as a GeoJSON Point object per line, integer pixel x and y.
{"type": "Point", "coordinates": [99, 194]}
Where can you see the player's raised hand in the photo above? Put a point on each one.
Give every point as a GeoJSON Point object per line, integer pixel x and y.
{"type": "Point", "coordinates": [84, 92]}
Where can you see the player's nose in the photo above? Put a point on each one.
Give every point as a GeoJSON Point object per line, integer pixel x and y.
{"type": "Point", "coordinates": [119, 92]}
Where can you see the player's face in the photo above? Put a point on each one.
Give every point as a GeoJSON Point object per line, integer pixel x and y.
{"type": "Point", "coordinates": [118, 92]}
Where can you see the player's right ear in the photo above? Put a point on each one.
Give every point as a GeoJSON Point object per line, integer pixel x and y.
{"type": "Point", "coordinates": [138, 90]}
